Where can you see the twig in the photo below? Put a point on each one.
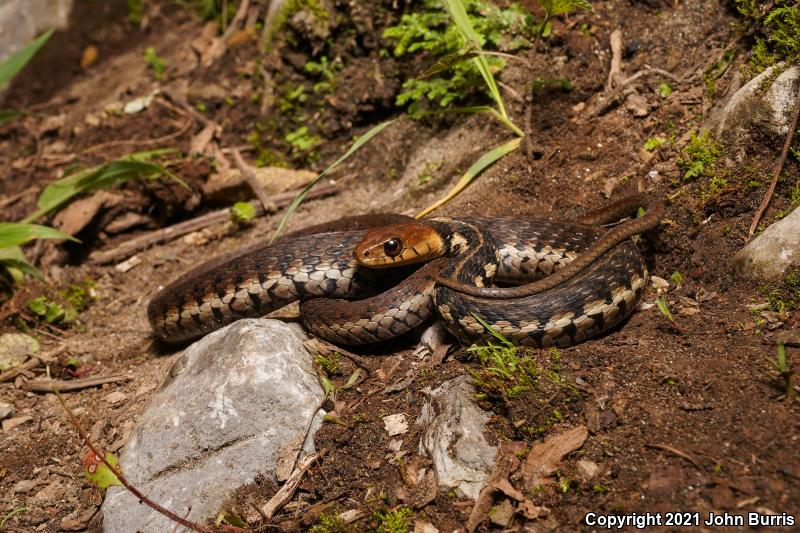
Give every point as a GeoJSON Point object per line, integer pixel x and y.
{"type": "Point", "coordinates": [244, 5]}
{"type": "Point", "coordinates": [250, 178]}
{"type": "Point", "coordinates": [677, 452]}
{"type": "Point", "coordinates": [287, 490]}
{"type": "Point", "coordinates": [142, 242]}
{"type": "Point", "coordinates": [47, 385]}
{"type": "Point", "coordinates": [778, 167]}
{"type": "Point", "coordinates": [11, 373]}
{"type": "Point", "coordinates": [137, 142]}
{"type": "Point", "coordinates": [122, 479]}
{"type": "Point", "coordinates": [615, 71]}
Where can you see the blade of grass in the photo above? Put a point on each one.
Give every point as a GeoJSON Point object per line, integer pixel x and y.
{"type": "Point", "coordinates": [103, 176]}
{"type": "Point", "coordinates": [361, 141]}
{"type": "Point", "coordinates": [496, 334]}
{"type": "Point", "coordinates": [11, 66]}
{"type": "Point", "coordinates": [481, 109]}
{"type": "Point", "coordinates": [477, 167]}
{"type": "Point", "coordinates": [462, 22]}
{"type": "Point", "coordinates": [16, 233]}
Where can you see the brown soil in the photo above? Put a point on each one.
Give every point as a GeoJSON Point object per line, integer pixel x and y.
{"type": "Point", "coordinates": [684, 415]}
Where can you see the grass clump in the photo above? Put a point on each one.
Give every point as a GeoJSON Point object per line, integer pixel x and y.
{"type": "Point", "coordinates": [775, 28]}
{"type": "Point", "coordinates": [702, 154]}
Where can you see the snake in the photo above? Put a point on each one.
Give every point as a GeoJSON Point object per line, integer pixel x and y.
{"type": "Point", "coordinates": [439, 266]}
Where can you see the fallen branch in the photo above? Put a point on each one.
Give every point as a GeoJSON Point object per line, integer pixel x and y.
{"type": "Point", "coordinates": [47, 385]}
{"type": "Point", "coordinates": [676, 452]}
{"type": "Point", "coordinates": [142, 242]}
{"type": "Point", "coordinates": [778, 167]}
{"type": "Point", "coordinates": [249, 176]}
{"type": "Point", "coordinates": [287, 490]}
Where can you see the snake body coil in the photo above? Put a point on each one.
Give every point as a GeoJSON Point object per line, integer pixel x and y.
{"type": "Point", "coordinates": [346, 302]}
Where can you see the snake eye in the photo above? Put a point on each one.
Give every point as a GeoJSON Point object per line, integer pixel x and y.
{"type": "Point", "coordinates": [392, 247]}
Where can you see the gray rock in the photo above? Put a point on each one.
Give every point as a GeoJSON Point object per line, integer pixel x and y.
{"type": "Point", "coordinates": [6, 410]}
{"type": "Point", "coordinates": [236, 403]}
{"type": "Point", "coordinates": [453, 437]}
{"type": "Point", "coordinates": [766, 102]}
{"type": "Point", "coordinates": [770, 255]}
{"type": "Point", "coordinates": [15, 349]}
{"type": "Point", "coordinates": [22, 20]}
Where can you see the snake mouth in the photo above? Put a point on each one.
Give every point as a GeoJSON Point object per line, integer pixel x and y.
{"type": "Point", "coordinates": [399, 244]}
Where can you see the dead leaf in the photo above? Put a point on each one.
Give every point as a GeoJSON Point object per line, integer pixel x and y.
{"type": "Point", "coordinates": [89, 56]}
{"type": "Point", "coordinates": [11, 423]}
{"type": "Point", "coordinates": [78, 520]}
{"type": "Point", "coordinates": [502, 513]}
{"type": "Point", "coordinates": [396, 424]}
{"type": "Point", "coordinates": [200, 142]}
{"type": "Point", "coordinates": [531, 511]}
{"type": "Point", "coordinates": [80, 213]}
{"type": "Point", "coordinates": [506, 462]}
{"type": "Point", "coordinates": [544, 458]}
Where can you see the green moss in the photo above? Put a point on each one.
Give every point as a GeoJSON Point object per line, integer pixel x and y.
{"type": "Point", "coordinates": [157, 64]}
{"type": "Point", "coordinates": [395, 521]}
{"type": "Point", "coordinates": [786, 297]}
{"type": "Point", "coordinates": [702, 154]}
{"type": "Point", "coordinates": [330, 523]}
{"type": "Point", "coordinates": [776, 32]}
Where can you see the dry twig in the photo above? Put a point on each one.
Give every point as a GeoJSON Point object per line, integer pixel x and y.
{"type": "Point", "coordinates": [778, 167]}
{"type": "Point", "coordinates": [286, 492]}
{"type": "Point", "coordinates": [250, 178]}
{"type": "Point", "coordinates": [47, 385]}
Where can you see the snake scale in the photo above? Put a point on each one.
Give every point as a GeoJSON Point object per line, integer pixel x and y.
{"type": "Point", "coordinates": [346, 302]}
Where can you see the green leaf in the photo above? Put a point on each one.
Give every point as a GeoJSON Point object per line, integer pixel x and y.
{"type": "Point", "coordinates": [12, 258]}
{"type": "Point", "coordinates": [16, 233]}
{"type": "Point", "coordinates": [352, 380]}
{"type": "Point", "coordinates": [361, 141]}
{"type": "Point", "coordinates": [98, 473]}
{"type": "Point", "coordinates": [242, 212]}
{"type": "Point", "coordinates": [661, 302]}
{"type": "Point", "coordinates": [327, 385]}
{"type": "Point", "coordinates": [11, 66]}
{"type": "Point", "coordinates": [477, 167]}
{"type": "Point", "coordinates": [7, 115]}
{"type": "Point", "coordinates": [652, 143]}
{"type": "Point", "coordinates": [665, 89]}
{"type": "Point", "coordinates": [103, 176]}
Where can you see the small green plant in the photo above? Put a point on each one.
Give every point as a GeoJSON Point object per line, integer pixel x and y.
{"type": "Point", "coordinates": [242, 213]}
{"type": "Point", "coordinates": [397, 520]}
{"type": "Point", "coordinates": [329, 363]}
{"type": "Point", "coordinates": [702, 153]}
{"type": "Point", "coordinates": [652, 143]}
{"type": "Point", "coordinates": [136, 10]}
{"type": "Point", "coordinates": [663, 306]}
{"type": "Point", "coordinates": [301, 140]}
{"type": "Point", "coordinates": [785, 370]}
{"type": "Point", "coordinates": [714, 187]}
{"type": "Point", "coordinates": [786, 296]}
{"type": "Point", "coordinates": [325, 71]}
{"type": "Point", "coordinates": [13, 263]}
{"type": "Point", "coordinates": [157, 64]}
{"type": "Point", "coordinates": [664, 90]}
{"type": "Point", "coordinates": [599, 488]}
{"type": "Point", "coordinates": [676, 278]}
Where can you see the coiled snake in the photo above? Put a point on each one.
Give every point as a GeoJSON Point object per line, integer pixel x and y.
{"type": "Point", "coordinates": [349, 297]}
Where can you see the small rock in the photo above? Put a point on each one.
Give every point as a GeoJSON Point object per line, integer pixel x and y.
{"type": "Point", "coordinates": [659, 283]}
{"type": "Point", "coordinates": [234, 400]}
{"type": "Point", "coordinates": [396, 424]}
{"type": "Point", "coordinates": [588, 469]}
{"type": "Point", "coordinates": [24, 486]}
{"type": "Point", "coordinates": [116, 397]}
{"type": "Point", "coordinates": [11, 423]}
{"type": "Point", "coordinates": [421, 526]}
{"type": "Point", "coordinates": [453, 437]}
{"type": "Point", "coordinates": [15, 349]}
{"type": "Point", "coordinates": [773, 252]}
{"type": "Point", "coordinates": [502, 513]}
{"type": "Point", "coordinates": [6, 410]}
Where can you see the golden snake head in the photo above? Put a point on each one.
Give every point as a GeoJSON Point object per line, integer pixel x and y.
{"type": "Point", "coordinates": [399, 244]}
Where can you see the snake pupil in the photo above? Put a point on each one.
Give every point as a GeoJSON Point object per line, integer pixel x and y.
{"type": "Point", "coordinates": [392, 247]}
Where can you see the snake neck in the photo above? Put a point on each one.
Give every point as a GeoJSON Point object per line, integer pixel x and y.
{"type": "Point", "coordinates": [474, 251]}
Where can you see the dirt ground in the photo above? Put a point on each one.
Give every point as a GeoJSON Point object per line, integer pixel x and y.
{"type": "Point", "coordinates": [683, 416]}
